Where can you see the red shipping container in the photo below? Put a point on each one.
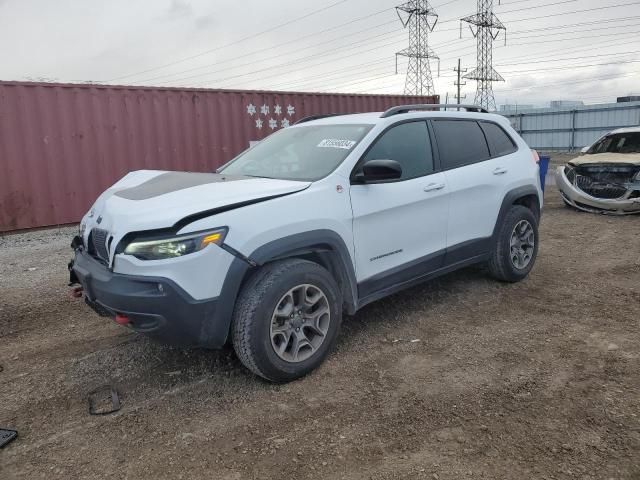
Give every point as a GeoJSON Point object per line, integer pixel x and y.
{"type": "Point", "coordinates": [61, 145]}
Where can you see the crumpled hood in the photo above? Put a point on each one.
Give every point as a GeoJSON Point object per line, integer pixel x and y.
{"type": "Point", "coordinates": [151, 199]}
{"type": "Point", "coordinates": [626, 158]}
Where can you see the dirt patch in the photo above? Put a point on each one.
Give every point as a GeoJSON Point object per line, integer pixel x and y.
{"type": "Point", "coordinates": [535, 380]}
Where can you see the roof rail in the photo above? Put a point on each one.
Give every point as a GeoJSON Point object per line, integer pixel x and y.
{"type": "Point", "coordinates": [317, 117]}
{"type": "Point", "coordinates": [431, 106]}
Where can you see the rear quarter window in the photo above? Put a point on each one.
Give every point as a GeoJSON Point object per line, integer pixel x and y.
{"type": "Point", "coordinates": [500, 143]}
{"type": "Point", "coordinates": [460, 142]}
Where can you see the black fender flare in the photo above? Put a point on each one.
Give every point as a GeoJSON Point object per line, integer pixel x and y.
{"type": "Point", "coordinates": [510, 199]}
{"type": "Point", "coordinates": [326, 245]}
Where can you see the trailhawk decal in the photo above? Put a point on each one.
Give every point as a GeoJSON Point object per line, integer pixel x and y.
{"type": "Point", "coordinates": [385, 255]}
{"type": "Point", "coordinates": [336, 143]}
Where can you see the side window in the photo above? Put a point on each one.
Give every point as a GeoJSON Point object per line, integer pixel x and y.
{"type": "Point", "coordinates": [499, 142]}
{"type": "Point", "coordinates": [407, 144]}
{"type": "Point", "coordinates": [460, 142]}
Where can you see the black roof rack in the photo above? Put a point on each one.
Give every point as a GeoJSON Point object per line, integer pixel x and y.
{"type": "Point", "coordinates": [431, 106]}
{"type": "Point", "coordinates": [317, 117]}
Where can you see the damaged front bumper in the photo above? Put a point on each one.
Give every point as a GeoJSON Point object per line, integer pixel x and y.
{"type": "Point", "coordinates": [626, 195]}
{"type": "Point", "coordinates": [155, 306]}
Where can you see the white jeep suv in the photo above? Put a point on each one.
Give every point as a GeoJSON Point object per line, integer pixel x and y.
{"type": "Point", "coordinates": [317, 220]}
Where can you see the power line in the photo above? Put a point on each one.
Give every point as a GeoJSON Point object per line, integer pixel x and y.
{"type": "Point", "coordinates": [574, 49]}
{"type": "Point", "coordinates": [569, 58]}
{"type": "Point", "coordinates": [555, 27]}
{"type": "Point", "coordinates": [559, 14]}
{"type": "Point", "coordinates": [533, 58]}
{"type": "Point", "coordinates": [293, 62]}
{"type": "Point", "coordinates": [455, 50]}
{"type": "Point", "coordinates": [276, 46]}
{"type": "Point", "coordinates": [357, 70]}
{"type": "Point", "coordinates": [311, 57]}
{"type": "Point", "coordinates": [213, 72]}
{"type": "Point", "coordinates": [573, 67]}
{"type": "Point", "coordinates": [566, 67]}
{"type": "Point", "coordinates": [358, 67]}
{"type": "Point", "coordinates": [518, 9]}
{"type": "Point", "coordinates": [243, 39]}
{"type": "Point", "coordinates": [586, 80]}
{"type": "Point", "coordinates": [353, 21]}
{"type": "Point", "coordinates": [331, 60]}
{"type": "Point", "coordinates": [543, 85]}
{"type": "Point", "coordinates": [590, 79]}
{"type": "Point", "coordinates": [511, 37]}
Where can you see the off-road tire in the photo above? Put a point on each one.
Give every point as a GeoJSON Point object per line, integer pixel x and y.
{"type": "Point", "coordinates": [250, 329]}
{"type": "Point", "coordinates": [500, 265]}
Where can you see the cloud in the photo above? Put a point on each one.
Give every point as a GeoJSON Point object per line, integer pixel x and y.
{"type": "Point", "coordinates": [179, 9]}
{"type": "Point", "coordinates": [205, 21]}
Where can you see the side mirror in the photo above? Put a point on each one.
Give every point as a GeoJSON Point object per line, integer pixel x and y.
{"type": "Point", "coordinates": [378, 171]}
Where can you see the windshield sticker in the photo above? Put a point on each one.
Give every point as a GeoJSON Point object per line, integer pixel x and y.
{"type": "Point", "coordinates": [336, 143]}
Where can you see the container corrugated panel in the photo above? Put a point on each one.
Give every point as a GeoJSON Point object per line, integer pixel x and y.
{"type": "Point", "coordinates": [61, 145]}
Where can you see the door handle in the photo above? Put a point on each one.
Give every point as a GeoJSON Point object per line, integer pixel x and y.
{"type": "Point", "coordinates": [500, 171]}
{"type": "Point", "coordinates": [432, 187]}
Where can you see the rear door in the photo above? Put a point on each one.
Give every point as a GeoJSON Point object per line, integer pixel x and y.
{"type": "Point", "coordinates": [477, 173]}
{"type": "Point", "coordinates": [399, 226]}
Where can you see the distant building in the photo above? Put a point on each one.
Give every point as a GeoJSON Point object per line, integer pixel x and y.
{"type": "Point", "coordinates": [630, 98]}
{"type": "Point", "coordinates": [514, 107]}
{"type": "Point", "coordinates": [565, 103]}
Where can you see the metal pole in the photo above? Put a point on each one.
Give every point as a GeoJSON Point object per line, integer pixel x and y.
{"type": "Point", "coordinates": [573, 130]}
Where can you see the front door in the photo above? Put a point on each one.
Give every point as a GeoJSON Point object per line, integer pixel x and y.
{"type": "Point", "coordinates": [399, 226]}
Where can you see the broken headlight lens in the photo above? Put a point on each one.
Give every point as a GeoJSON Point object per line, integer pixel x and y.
{"type": "Point", "coordinates": [176, 246]}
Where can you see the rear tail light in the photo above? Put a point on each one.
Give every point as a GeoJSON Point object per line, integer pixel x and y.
{"type": "Point", "coordinates": [536, 157]}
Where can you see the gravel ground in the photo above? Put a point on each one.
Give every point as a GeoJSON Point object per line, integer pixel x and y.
{"type": "Point", "coordinates": [539, 379]}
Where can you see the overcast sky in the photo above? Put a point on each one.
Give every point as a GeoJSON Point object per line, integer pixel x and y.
{"type": "Point", "coordinates": [347, 47]}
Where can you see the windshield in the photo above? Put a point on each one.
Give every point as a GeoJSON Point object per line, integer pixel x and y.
{"type": "Point", "coordinates": [302, 153]}
{"type": "Point", "coordinates": [618, 143]}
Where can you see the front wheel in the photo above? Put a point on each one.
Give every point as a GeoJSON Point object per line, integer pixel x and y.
{"type": "Point", "coordinates": [286, 319]}
{"type": "Point", "coordinates": [516, 247]}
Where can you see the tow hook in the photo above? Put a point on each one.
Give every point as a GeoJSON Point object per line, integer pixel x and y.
{"type": "Point", "coordinates": [76, 292]}
{"type": "Point", "coordinates": [122, 319]}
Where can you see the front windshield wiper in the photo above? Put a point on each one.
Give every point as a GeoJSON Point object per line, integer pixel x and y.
{"type": "Point", "coordinates": [261, 176]}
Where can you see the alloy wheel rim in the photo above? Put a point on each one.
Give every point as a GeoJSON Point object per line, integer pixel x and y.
{"type": "Point", "coordinates": [522, 244]}
{"type": "Point", "coordinates": [300, 323]}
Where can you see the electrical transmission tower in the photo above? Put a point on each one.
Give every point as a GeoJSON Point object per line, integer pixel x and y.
{"type": "Point", "coordinates": [487, 28]}
{"type": "Point", "coordinates": [421, 19]}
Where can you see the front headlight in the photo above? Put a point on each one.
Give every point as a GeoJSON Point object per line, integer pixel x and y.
{"type": "Point", "coordinates": [176, 246]}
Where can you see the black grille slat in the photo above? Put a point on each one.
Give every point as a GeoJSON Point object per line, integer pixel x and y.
{"type": "Point", "coordinates": [599, 189]}
{"type": "Point", "coordinates": [99, 240]}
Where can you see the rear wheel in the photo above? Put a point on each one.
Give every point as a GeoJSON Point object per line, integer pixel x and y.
{"type": "Point", "coordinates": [286, 319]}
{"type": "Point", "coordinates": [516, 248]}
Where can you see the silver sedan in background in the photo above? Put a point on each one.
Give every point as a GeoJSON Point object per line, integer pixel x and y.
{"type": "Point", "coordinates": [606, 177]}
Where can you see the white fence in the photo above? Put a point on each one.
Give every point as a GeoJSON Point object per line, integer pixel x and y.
{"type": "Point", "coordinates": [572, 128]}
